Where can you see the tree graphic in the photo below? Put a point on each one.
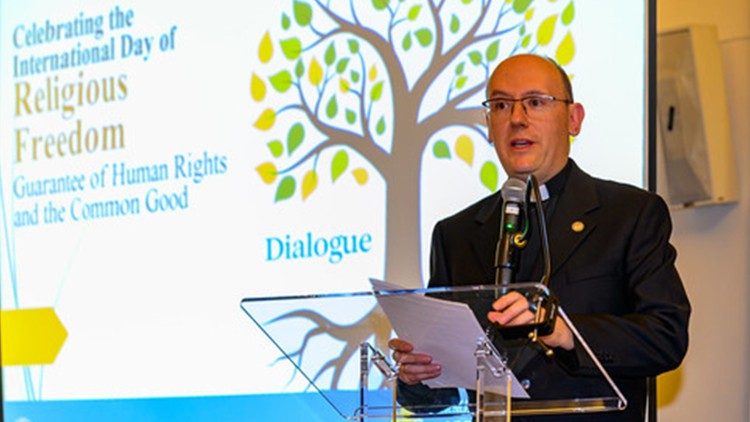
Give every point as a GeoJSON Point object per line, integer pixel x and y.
{"type": "Point", "coordinates": [376, 96]}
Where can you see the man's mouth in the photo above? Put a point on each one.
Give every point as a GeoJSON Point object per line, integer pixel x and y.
{"type": "Point", "coordinates": [521, 143]}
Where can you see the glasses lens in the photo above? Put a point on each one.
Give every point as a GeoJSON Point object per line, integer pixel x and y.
{"type": "Point", "coordinates": [534, 105]}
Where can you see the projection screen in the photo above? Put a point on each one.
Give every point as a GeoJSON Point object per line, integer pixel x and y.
{"type": "Point", "coordinates": [160, 161]}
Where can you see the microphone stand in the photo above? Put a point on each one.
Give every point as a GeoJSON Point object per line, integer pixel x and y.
{"type": "Point", "coordinates": [544, 307]}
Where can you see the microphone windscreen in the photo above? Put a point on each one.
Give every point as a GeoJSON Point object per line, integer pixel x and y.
{"type": "Point", "coordinates": [514, 190]}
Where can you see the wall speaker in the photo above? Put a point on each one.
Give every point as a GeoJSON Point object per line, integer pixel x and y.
{"type": "Point", "coordinates": [693, 120]}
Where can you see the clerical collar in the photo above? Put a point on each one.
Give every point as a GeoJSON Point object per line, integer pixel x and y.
{"type": "Point", "coordinates": [556, 184]}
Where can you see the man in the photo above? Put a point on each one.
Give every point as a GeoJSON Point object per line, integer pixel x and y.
{"type": "Point", "coordinates": [612, 265]}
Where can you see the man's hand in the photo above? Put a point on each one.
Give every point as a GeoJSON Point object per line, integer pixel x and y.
{"type": "Point", "coordinates": [512, 309]}
{"type": "Point", "coordinates": [414, 367]}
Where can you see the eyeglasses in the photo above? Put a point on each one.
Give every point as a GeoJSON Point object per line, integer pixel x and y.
{"type": "Point", "coordinates": [533, 105]}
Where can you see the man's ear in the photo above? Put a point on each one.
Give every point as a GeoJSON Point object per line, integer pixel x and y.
{"type": "Point", "coordinates": [576, 113]}
{"type": "Point", "coordinates": [489, 126]}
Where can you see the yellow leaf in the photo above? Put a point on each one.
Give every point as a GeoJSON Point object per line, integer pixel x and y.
{"type": "Point", "coordinates": [465, 149]}
{"type": "Point", "coordinates": [266, 119]}
{"type": "Point", "coordinates": [529, 14]}
{"type": "Point", "coordinates": [267, 172]}
{"type": "Point", "coordinates": [546, 30]}
{"type": "Point", "coordinates": [360, 175]}
{"type": "Point", "coordinates": [265, 51]}
{"type": "Point", "coordinates": [343, 85]}
{"type": "Point", "coordinates": [373, 73]}
{"type": "Point", "coordinates": [566, 50]}
{"type": "Point", "coordinates": [257, 88]}
{"type": "Point", "coordinates": [315, 73]}
{"type": "Point", "coordinates": [309, 183]}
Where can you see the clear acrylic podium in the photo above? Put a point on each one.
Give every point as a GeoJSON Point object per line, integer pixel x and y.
{"type": "Point", "coordinates": [336, 345]}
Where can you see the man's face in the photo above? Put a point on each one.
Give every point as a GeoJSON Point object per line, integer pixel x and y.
{"type": "Point", "coordinates": [531, 143]}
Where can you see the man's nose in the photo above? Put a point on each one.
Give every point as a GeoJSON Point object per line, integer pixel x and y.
{"type": "Point", "coordinates": [518, 114]}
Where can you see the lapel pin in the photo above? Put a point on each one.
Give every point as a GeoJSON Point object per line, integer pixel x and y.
{"type": "Point", "coordinates": [577, 226]}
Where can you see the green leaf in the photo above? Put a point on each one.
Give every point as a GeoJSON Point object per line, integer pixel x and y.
{"type": "Point", "coordinates": [351, 116]}
{"type": "Point", "coordinates": [455, 24]}
{"type": "Point", "coordinates": [355, 76]}
{"type": "Point", "coordinates": [380, 127]}
{"type": "Point", "coordinates": [276, 148]}
{"type": "Point", "coordinates": [330, 55]}
{"type": "Point", "coordinates": [566, 50]}
{"type": "Point", "coordinates": [522, 30]}
{"type": "Point", "coordinates": [302, 13]}
{"type": "Point", "coordinates": [441, 150]}
{"type": "Point", "coordinates": [380, 4]}
{"type": "Point", "coordinates": [332, 108]}
{"type": "Point", "coordinates": [295, 137]}
{"type": "Point", "coordinates": [546, 30]}
{"type": "Point", "coordinates": [465, 1]}
{"type": "Point", "coordinates": [460, 68]}
{"type": "Point", "coordinates": [461, 81]}
{"type": "Point", "coordinates": [520, 6]}
{"type": "Point", "coordinates": [281, 81]}
{"type": "Point", "coordinates": [299, 69]}
{"type": "Point", "coordinates": [353, 46]}
{"type": "Point", "coordinates": [414, 12]}
{"type": "Point", "coordinates": [285, 189]}
{"type": "Point", "coordinates": [377, 91]}
{"type": "Point", "coordinates": [285, 21]}
{"type": "Point", "coordinates": [475, 57]}
{"type": "Point", "coordinates": [424, 36]}
{"type": "Point", "coordinates": [291, 47]}
{"type": "Point", "coordinates": [341, 65]}
{"type": "Point", "coordinates": [492, 50]}
{"type": "Point", "coordinates": [406, 43]}
{"type": "Point", "coordinates": [568, 14]}
{"type": "Point", "coordinates": [526, 40]}
{"type": "Point", "coordinates": [488, 176]}
{"type": "Point", "coordinates": [339, 164]}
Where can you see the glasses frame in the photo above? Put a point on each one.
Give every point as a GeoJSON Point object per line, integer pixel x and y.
{"type": "Point", "coordinates": [488, 102]}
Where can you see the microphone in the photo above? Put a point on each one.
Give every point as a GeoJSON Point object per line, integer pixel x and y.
{"type": "Point", "coordinates": [512, 223]}
{"type": "Point", "coordinates": [513, 193]}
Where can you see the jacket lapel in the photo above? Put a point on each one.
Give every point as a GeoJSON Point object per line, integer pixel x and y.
{"type": "Point", "coordinates": [485, 238]}
{"type": "Point", "coordinates": [572, 221]}
{"type": "Point", "coordinates": [570, 225]}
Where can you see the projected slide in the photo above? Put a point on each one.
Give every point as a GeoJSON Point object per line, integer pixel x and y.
{"type": "Point", "coordinates": [161, 162]}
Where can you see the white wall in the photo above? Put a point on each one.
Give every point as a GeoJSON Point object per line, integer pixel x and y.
{"type": "Point", "coordinates": [713, 246]}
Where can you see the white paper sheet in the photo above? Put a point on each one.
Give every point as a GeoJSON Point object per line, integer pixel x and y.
{"type": "Point", "coordinates": [446, 330]}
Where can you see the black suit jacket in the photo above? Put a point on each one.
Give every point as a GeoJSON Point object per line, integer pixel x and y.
{"type": "Point", "coordinates": [616, 279]}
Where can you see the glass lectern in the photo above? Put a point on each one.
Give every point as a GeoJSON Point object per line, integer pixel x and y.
{"type": "Point", "coordinates": [337, 344]}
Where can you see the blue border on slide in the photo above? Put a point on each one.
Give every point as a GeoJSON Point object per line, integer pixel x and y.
{"type": "Point", "coordinates": [258, 407]}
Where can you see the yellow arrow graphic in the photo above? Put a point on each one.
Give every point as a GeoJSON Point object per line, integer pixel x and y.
{"type": "Point", "coordinates": [30, 336]}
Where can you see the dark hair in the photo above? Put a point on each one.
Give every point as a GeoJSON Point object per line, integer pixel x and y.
{"type": "Point", "coordinates": [564, 75]}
